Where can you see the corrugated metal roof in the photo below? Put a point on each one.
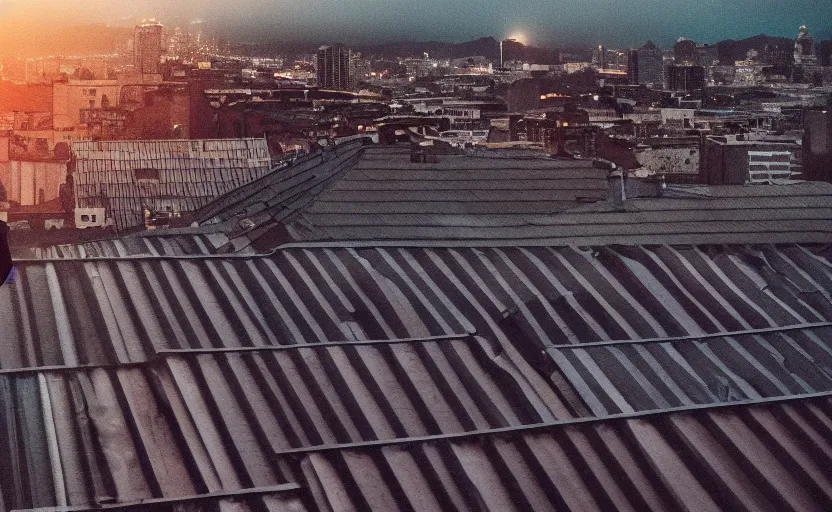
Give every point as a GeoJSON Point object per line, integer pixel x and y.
{"type": "Point", "coordinates": [150, 243]}
{"type": "Point", "coordinates": [195, 424]}
{"type": "Point", "coordinates": [191, 423]}
{"type": "Point", "coordinates": [637, 376]}
{"type": "Point", "coordinates": [761, 457]}
{"type": "Point", "coordinates": [525, 299]}
{"type": "Point", "coordinates": [358, 195]}
{"type": "Point", "coordinates": [219, 424]}
{"type": "Point", "coordinates": [251, 212]}
{"type": "Point", "coordinates": [378, 195]}
{"type": "Point", "coordinates": [385, 196]}
{"type": "Point", "coordinates": [279, 195]}
{"type": "Point", "coordinates": [788, 214]}
{"type": "Point", "coordinates": [526, 415]}
{"type": "Point", "coordinates": [125, 177]}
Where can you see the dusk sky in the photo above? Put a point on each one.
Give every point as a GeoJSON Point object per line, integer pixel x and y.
{"type": "Point", "coordinates": [623, 22]}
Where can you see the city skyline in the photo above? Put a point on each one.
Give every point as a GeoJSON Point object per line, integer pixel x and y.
{"type": "Point", "coordinates": [363, 22]}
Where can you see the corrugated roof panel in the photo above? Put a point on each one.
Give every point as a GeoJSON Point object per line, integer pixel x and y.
{"type": "Point", "coordinates": [656, 375]}
{"type": "Point", "coordinates": [190, 423]}
{"type": "Point", "coordinates": [735, 458]}
{"type": "Point", "coordinates": [525, 299]}
{"type": "Point", "coordinates": [179, 175]}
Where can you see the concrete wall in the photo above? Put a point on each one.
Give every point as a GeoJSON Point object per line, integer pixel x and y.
{"type": "Point", "coordinates": [670, 160]}
{"type": "Point", "coordinates": [71, 97]}
{"type": "Point", "coordinates": [24, 181]}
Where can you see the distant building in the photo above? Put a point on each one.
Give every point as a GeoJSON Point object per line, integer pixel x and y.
{"type": "Point", "coordinates": [523, 95]}
{"type": "Point", "coordinates": [678, 117]}
{"type": "Point", "coordinates": [748, 72]}
{"type": "Point", "coordinates": [825, 53]}
{"type": "Point", "coordinates": [138, 181]}
{"type": "Point", "coordinates": [599, 57]}
{"type": "Point", "coordinates": [804, 48]}
{"type": "Point", "coordinates": [817, 144]}
{"type": "Point", "coordinates": [645, 66]}
{"type": "Point", "coordinates": [677, 159]}
{"type": "Point", "coordinates": [575, 67]}
{"type": "Point", "coordinates": [147, 47]}
{"type": "Point", "coordinates": [511, 50]}
{"type": "Point", "coordinates": [334, 68]}
{"type": "Point", "coordinates": [565, 133]}
{"type": "Point", "coordinates": [419, 68]}
{"type": "Point", "coordinates": [740, 159]}
{"type": "Point", "coordinates": [73, 98]}
{"type": "Point", "coordinates": [632, 67]}
{"type": "Point", "coordinates": [685, 78]}
{"type": "Point", "coordinates": [806, 67]}
{"type": "Point", "coordinates": [708, 55]}
{"type": "Point", "coordinates": [685, 53]}
{"type": "Point", "coordinates": [30, 179]}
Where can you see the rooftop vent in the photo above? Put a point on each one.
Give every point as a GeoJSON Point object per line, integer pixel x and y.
{"type": "Point", "coordinates": [616, 193]}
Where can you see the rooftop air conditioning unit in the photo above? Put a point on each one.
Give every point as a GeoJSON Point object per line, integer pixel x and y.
{"type": "Point", "coordinates": [89, 218]}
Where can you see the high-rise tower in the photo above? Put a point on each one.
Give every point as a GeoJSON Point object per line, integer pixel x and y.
{"type": "Point", "coordinates": [147, 47]}
{"type": "Point", "coordinates": [334, 65]}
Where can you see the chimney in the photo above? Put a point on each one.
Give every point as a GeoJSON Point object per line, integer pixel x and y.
{"type": "Point", "coordinates": [616, 192]}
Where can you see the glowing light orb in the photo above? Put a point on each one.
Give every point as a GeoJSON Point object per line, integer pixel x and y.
{"type": "Point", "coordinates": [519, 37]}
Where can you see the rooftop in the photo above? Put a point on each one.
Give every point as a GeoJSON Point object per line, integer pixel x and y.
{"type": "Point", "coordinates": [358, 195]}
{"type": "Point", "coordinates": [385, 196]}
{"type": "Point", "coordinates": [260, 378]}
{"type": "Point", "coordinates": [671, 354]}
{"type": "Point", "coordinates": [174, 175]}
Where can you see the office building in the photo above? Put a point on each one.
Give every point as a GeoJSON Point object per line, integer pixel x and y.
{"type": "Point", "coordinates": [599, 57]}
{"type": "Point", "coordinates": [334, 67]}
{"type": "Point", "coordinates": [739, 159]}
{"type": "Point", "coordinates": [685, 78]}
{"type": "Point", "coordinates": [645, 66]}
{"type": "Point", "coordinates": [707, 55]}
{"type": "Point", "coordinates": [804, 48]}
{"type": "Point", "coordinates": [685, 53]}
{"type": "Point", "coordinates": [147, 47]}
{"type": "Point", "coordinates": [511, 50]}
{"type": "Point", "coordinates": [633, 67]}
{"type": "Point", "coordinates": [806, 68]}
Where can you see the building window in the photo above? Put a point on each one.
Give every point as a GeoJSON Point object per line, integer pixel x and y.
{"type": "Point", "coordinates": [85, 218]}
{"type": "Point", "coordinates": [93, 218]}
